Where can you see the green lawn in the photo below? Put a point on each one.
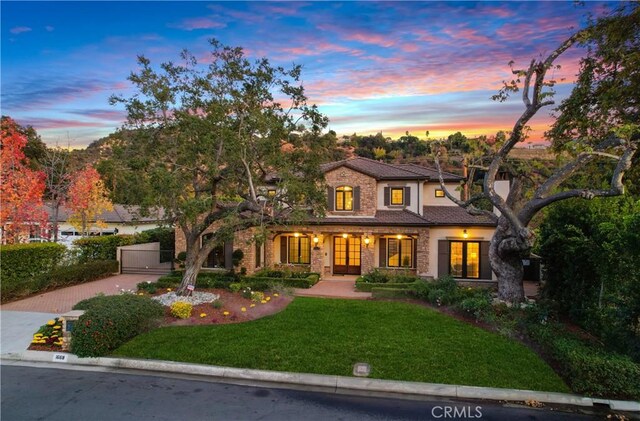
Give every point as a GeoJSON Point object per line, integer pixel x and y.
{"type": "Point", "coordinates": [401, 342]}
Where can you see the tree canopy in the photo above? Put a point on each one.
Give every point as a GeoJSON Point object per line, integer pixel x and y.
{"type": "Point", "coordinates": [203, 139]}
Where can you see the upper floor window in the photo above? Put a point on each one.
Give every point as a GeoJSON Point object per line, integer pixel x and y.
{"type": "Point", "coordinates": [439, 193]}
{"type": "Point", "coordinates": [397, 195]}
{"type": "Point", "coordinates": [344, 198]}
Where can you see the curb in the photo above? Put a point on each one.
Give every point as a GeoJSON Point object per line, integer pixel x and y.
{"type": "Point", "coordinates": [328, 383]}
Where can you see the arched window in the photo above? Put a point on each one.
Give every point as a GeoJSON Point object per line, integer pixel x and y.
{"type": "Point", "coordinates": [344, 198]}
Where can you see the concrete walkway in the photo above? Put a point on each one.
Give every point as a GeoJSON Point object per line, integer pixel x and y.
{"type": "Point", "coordinates": [334, 288]}
{"type": "Point", "coordinates": [61, 300]}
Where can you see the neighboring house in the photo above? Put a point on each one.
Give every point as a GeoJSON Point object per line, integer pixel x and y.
{"type": "Point", "coordinates": [121, 220]}
{"type": "Point", "coordinates": [390, 216]}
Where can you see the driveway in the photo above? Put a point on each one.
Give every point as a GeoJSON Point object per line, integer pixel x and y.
{"type": "Point", "coordinates": [62, 300]}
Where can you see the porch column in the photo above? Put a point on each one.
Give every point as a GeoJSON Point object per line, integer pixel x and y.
{"type": "Point", "coordinates": [422, 252]}
{"type": "Point", "coordinates": [367, 253]}
{"type": "Point", "coordinates": [317, 253]}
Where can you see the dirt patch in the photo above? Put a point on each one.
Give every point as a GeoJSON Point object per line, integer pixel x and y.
{"type": "Point", "coordinates": [233, 305]}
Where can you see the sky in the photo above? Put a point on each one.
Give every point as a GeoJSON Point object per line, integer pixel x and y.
{"type": "Point", "coordinates": [371, 66]}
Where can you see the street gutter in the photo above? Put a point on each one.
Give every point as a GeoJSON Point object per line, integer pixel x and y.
{"type": "Point", "coordinates": [320, 382]}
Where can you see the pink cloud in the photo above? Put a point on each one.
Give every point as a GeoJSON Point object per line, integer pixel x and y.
{"type": "Point", "coordinates": [56, 123]}
{"type": "Point", "coordinates": [19, 29]}
{"type": "Point", "coordinates": [198, 23]}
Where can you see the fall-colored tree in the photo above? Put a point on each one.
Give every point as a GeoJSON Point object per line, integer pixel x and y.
{"type": "Point", "coordinates": [87, 198]}
{"type": "Point", "coordinates": [21, 188]}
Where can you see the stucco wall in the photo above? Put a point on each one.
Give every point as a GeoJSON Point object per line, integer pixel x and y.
{"type": "Point", "coordinates": [430, 198]}
{"type": "Point", "coordinates": [451, 233]}
{"type": "Point", "coordinates": [415, 195]}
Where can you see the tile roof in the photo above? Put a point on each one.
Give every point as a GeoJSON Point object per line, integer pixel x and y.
{"type": "Point", "coordinates": [375, 169]}
{"type": "Point", "coordinates": [382, 217]}
{"type": "Point", "coordinates": [453, 215]}
{"type": "Point", "coordinates": [120, 214]}
{"type": "Point", "coordinates": [430, 173]}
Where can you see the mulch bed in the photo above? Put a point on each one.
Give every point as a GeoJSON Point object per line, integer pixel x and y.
{"type": "Point", "coordinates": [232, 303]}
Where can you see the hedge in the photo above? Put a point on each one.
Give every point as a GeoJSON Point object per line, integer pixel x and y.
{"type": "Point", "coordinates": [392, 293]}
{"type": "Point", "coordinates": [588, 368]}
{"type": "Point", "coordinates": [102, 247]}
{"type": "Point", "coordinates": [222, 280]}
{"type": "Point", "coordinates": [23, 263]}
{"type": "Point", "coordinates": [110, 321]}
{"type": "Point", "coordinates": [58, 277]}
{"type": "Point", "coordinates": [368, 287]}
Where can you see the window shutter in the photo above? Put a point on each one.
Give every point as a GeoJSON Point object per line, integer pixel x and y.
{"type": "Point", "coordinates": [283, 249]}
{"type": "Point", "coordinates": [228, 255]}
{"type": "Point", "coordinates": [407, 196]}
{"type": "Point", "coordinates": [443, 258]}
{"type": "Point", "coordinates": [382, 244]}
{"type": "Point", "coordinates": [387, 194]}
{"type": "Point", "coordinates": [331, 199]}
{"type": "Point", "coordinates": [485, 265]}
{"type": "Point", "coordinates": [356, 198]}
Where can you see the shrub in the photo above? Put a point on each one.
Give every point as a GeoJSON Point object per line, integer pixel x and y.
{"type": "Point", "coordinates": [165, 236]}
{"type": "Point", "coordinates": [478, 306]}
{"type": "Point", "coordinates": [181, 309]}
{"type": "Point", "coordinates": [235, 287]}
{"type": "Point", "coordinates": [257, 296]}
{"type": "Point", "coordinates": [79, 273]}
{"type": "Point", "coordinates": [109, 321]}
{"type": "Point", "coordinates": [379, 292]}
{"type": "Point", "coordinates": [102, 247]}
{"type": "Point", "coordinates": [217, 304]}
{"type": "Point", "coordinates": [376, 276]}
{"type": "Point", "coordinates": [368, 287]}
{"type": "Point", "coordinates": [22, 264]}
{"type": "Point", "coordinates": [236, 257]}
{"type": "Point", "coordinates": [150, 287]}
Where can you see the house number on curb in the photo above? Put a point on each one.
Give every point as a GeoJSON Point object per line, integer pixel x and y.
{"type": "Point", "coordinates": [59, 358]}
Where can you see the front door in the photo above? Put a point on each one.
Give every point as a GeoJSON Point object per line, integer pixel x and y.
{"type": "Point", "coordinates": [346, 255]}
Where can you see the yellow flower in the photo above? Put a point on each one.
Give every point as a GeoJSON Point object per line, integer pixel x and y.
{"type": "Point", "coordinates": [243, 309]}
{"type": "Point", "coordinates": [57, 327]}
{"type": "Point", "coordinates": [169, 289]}
{"type": "Point", "coordinates": [264, 301]}
{"type": "Point", "coordinates": [141, 293]}
{"type": "Point", "coordinates": [268, 298]}
{"type": "Point", "coordinates": [226, 313]}
{"type": "Point", "coordinates": [51, 322]}
{"type": "Point", "coordinates": [38, 335]}
{"type": "Point", "coordinates": [203, 314]}
{"type": "Point", "coordinates": [252, 305]}
{"type": "Point", "coordinates": [276, 295]}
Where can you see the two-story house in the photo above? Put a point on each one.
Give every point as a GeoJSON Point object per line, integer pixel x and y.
{"type": "Point", "coordinates": [379, 215]}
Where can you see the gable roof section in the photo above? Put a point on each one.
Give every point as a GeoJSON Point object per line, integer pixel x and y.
{"type": "Point", "coordinates": [120, 214]}
{"type": "Point", "coordinates": [430, 173]}
{"type": "Point", "coordinates": [454, 215]}
{"type": "Point", "coordinates": [375, 169]}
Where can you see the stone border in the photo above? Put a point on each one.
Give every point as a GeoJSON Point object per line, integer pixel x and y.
{"type": "Point", "coordinates": [328, 383]}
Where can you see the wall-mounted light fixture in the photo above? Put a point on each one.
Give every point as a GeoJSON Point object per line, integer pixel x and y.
{"type": "Point", "coordinates": [465, 234]}
{"type": "Point", "coordinates": [399, 236]}
{"type": "Point", "coordinates": [315, 239]}
{"type": "Point", "coordinates": [296, 234]}
{"type": "Point", "coordinates": [345, 235]}
{"type": "Point", "coordinates": [366, 241]}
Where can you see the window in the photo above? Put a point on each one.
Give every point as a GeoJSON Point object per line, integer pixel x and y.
{"type": "Point", "coordinates": [344, 198]}
{"type": "Point", "coordinates": [397, 196]}
{"type": "Point", "coordinates": [439, 193]}
{"type": "Point", "coordinates": [400, 252]}
{"type": "Point", "coordinates": [464, 259]}
{"type": "Point", "coordinates": [299, 250]}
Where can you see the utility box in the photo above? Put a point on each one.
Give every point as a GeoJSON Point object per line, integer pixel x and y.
{"type": "Point", "coordinates": [69, 320]}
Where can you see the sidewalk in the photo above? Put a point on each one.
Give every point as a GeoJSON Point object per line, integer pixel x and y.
{"type": "Point", "coordinates": [62, 300]}
{"type": "Point", "coordinates": [334, 288]}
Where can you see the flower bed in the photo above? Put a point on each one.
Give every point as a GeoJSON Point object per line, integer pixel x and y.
{"type": "Point", "coordinates": [48, 337]}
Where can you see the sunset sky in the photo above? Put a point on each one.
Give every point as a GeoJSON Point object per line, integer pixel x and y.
{"type": "Point", "coordinates": [370, 66]}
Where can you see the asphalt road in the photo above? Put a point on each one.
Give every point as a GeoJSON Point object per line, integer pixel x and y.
{"type": "Point", "coordinates": [30, 393]}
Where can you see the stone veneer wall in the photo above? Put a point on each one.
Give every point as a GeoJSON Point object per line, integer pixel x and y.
{"type": "Point", "coordinates": [343, 176]}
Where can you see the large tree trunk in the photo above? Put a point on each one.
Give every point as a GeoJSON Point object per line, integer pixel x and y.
{"type": "Point", "coordinates": [506, 252]}
{"type": "Point", "coordinates": [192, 265]}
